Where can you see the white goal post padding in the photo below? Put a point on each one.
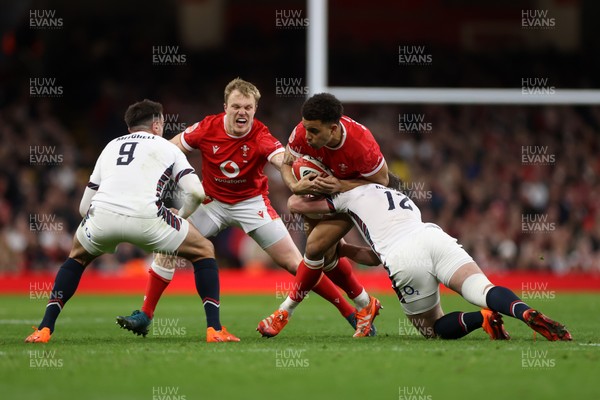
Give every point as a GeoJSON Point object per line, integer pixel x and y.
{"type": "Point", "coordinates": [317, 70]}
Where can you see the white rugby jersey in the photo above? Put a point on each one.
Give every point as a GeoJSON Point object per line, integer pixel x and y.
{"type": "Point", "coordinates": [384, 216]}
{"type": "Point", "coordinates": [132, 171]}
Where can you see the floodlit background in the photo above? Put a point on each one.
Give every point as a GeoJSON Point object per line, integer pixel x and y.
{"type": "Point", "coordinates": [517, 184]}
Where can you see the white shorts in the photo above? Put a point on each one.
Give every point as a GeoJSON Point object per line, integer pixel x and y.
{"type": "Point", "coordinates": [102, 230]}
{"type": "Point", "coordinates": [420, 263]}
{"type": "Point", "coordinates": [255, 216]}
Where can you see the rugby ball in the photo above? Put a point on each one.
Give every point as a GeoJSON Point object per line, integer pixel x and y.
{"type": "Point", "coordinates": [306, 165]}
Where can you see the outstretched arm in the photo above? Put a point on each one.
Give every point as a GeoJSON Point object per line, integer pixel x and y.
{"type": "Point", "coordinates": [360, 254]}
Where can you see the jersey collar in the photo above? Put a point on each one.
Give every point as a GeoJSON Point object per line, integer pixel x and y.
{"type": "Point", "coordinates": [341, 141]}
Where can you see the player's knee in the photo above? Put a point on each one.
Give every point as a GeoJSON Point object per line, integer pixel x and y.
{"type": "Point", "coordinates": [206, 249]}
{"type": "Point", "coordinates": [474, 289]}
{"type": "Point", "coordinates": [314, 249]}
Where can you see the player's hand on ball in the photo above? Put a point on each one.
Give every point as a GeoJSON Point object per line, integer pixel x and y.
{"type": "Point", "coordinates": [327, 185]}
{"type": "Point", "coordinates": [305, 185]}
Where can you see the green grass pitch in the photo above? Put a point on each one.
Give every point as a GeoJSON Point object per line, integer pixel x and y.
{"type": "Point", "coordinates": [315, 357]}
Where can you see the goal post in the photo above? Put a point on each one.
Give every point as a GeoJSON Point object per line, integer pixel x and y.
{"type": "Point", "coordinates": [317, 71]}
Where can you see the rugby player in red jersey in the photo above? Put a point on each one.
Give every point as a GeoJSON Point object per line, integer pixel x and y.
{"type": "Point", "coordinates": [354, 157]}
{"type": "Point", "coordinates": [235, 148]}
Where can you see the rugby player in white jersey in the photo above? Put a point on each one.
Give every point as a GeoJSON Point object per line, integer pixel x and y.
{"type": "Point", "coordinates": [418, 256]}
{"type": "Point", "coordinates": [121, 203]}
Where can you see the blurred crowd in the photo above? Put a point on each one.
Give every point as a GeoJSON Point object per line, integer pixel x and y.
{"type": "Point", "coordinates": [518, 186]}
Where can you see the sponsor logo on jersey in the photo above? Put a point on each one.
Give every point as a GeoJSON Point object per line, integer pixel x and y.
{"type": "Point", "coordinates": [215, 149]}
{"type": "Point", "coordinates": [261, 214]}
{"type": "Point", "coordinates": [230, 169]}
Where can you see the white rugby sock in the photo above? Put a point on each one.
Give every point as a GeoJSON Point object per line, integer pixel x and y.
{"type": "Point", "coordinates": [289, 305]}
{"type": "Point", "coordinates": [362, 300]}
{"type": "Point", "coordinates": [164, 273]}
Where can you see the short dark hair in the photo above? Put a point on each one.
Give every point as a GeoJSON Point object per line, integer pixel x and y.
{"type": "Point", "coordinates": [324, 107]}
{"type": "Point", "coordinates": [142, 113]}
{"type": "Point", "coordinates": [395, 182]}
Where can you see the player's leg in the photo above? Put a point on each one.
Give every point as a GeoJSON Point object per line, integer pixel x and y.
{"type": "Point", "coordinates": [307, 275]}
{"type": "Point", "coordinates": [474, 286]}
{"type": "Point", "coordinates": [200, 252]}
{"type": "Point", "coordinates": [321, 244]}
{"type": "Point", "coordinates": [309, 272]}
{"type": "Point", "coordinates": [276, 241]}
{"type": "Point", "coordinates": [457, 270]}
{"type": "Point", "coordinates": [65, 283]}
{"type": "Point", "coordinates": [321, 251]}
{"type": "Point", "coordinates": [161, 273]}
{"type": "Point", "coordinates": [433, 323]}
{"type": "Point", "coordinates": [320, 247]}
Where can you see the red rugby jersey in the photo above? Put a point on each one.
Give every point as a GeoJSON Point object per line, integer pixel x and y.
{"type": "Point", "coordinates": [232, 166]}
{"type": "Point", "coordinates": [357, 155]}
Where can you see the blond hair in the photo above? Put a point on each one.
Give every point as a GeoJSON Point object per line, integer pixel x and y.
{"type": "Point", "coordinates": [245, 88]}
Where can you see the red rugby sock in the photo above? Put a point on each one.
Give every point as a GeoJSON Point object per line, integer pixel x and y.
{"type": "Point", "coordinates": [154, 289]}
